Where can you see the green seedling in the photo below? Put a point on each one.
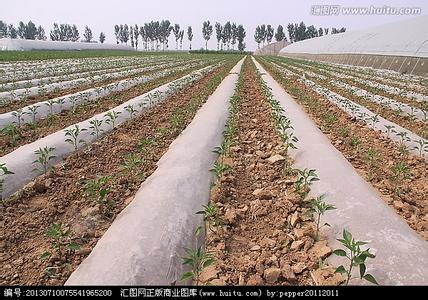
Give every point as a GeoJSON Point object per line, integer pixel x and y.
{"type": "Point", "coordinates": [355, 142]}
{"type": "Point", "coordinates": [131, 110]}
{"type": "Point", "coordinates": [112, 117]}
{"type": "Point", "coordinates": [223, 149]}
{"type": "Point", "coordinates": [344, 131]}
{"type": "Point", "coordinates": [73, 136]}
{"type": "Point", "coordinates": [356, 256]}
{"type": "Point", "coordinates": [144, 144]}
{"type": "Point", "coordinates": [96, 127]}
{"type": "Point", "coordinates": [18, 114]}
{"type": "Point", "coordinates": [131, 163]}
{"type": "Point", "coordinates": [389, 129]}
{"type": "Point", "coordinates": [422, 147]}
{"type": "Point", "coordinates": [73, 100]}
{"type": "Point", "coordinates": [403, 138]}
{"type": "Point", "coordinates": [162, 131]}
{"type": "Point", "coordinates": [60, 102]}
{"type": "Point", "coordinates": [33, 111]}
{"type": "Point", "coordinates": [211, 215]}
{"type": "Point", "coordinates": [330, 119]}
{"type": "Point", "coordinates": [198, 260]}
{"type": "Point", "coordinates": [305, 179]}
{"type": "Point", "coordinates": [412, 114]}
{"type": "Point", "coordinates": [12, 132]}
{"type": "Point", "coordinates": [320, 207]}
{"type": "Point", "coordinates": [178, 121]}
{"type": "Point", "coordinates": [289, 140]}
{"type": "Point", "coordinates": [3, 171]}
{"type": "Point", "coordinates": [97, 190]}
{"type": "Point", "coordinates": [50, 104]}
{"type": "Point", "coordinates": [61, 242]}
{"type": "Point", "coordinates": [374, 119]}
{"type": "Point", "coordinates": [44, 155]}
{"type": "Point", "coordinates": [230, 130]}
{"type": "Point", "coordinates": [371, 157]}
{"type": "Point", "coordinates": [219, 169]}
{"type": "Point", "coordinates": [42, 91]}
{"type": "Point", "coordinates": [400, 172]}
{"type": "Point", "coordinates": [51, 119]}
{"type": "Point", "coordinates": [51, 272]}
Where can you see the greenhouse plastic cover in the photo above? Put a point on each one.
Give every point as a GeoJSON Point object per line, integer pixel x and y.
{"type": "Point", "coordinates": [23, 45]}
{"type": "Point", "coordinates": [404, 38]}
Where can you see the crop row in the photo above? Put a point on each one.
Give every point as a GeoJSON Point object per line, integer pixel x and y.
{"type": "Point", "coordinates": [390, 167]}
{"type": "Point", "coordinates": [23, 71]}
{"type": "Point", "coordinates": [51, 79]}
{"type": "Point", "coordinates": [131, 151]}
{"type": "Point", "coordinates": [406, 139]}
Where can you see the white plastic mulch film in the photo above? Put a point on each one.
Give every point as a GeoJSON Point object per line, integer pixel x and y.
{"type": "Point", "coordinates": [145, 243]}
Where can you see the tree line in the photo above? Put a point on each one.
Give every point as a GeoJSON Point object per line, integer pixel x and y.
{"type": "Point", "coordinates": [296, 32]}
{"type": "Point", "coordinates": [155, 35]}
{"type": "Point", "coordinates": [28, 31]}
{"type": "Point", "coordinates": [59, 32]}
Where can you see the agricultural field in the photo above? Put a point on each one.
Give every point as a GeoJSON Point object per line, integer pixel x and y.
{"type": "Point", "coordinates": [234, 169]}
{"type": "Point", "coordinates": [383, 126]}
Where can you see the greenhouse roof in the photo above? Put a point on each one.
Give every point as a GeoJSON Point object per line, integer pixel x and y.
{"type": "Point", "coordinates": [22, 45]}
{"type": "Point", "coordinates": [404, 38]}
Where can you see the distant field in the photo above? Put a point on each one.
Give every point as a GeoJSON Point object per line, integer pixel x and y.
{"type": "Point", "coordinates": [48, 54]}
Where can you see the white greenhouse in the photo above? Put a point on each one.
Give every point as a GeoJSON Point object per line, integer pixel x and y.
{"type": "Point", "coordinates": [7, 44]}
{"type": "Point", "coordinates": [400, 46]}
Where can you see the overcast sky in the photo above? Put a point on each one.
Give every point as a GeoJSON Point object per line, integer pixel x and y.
{"type": "Point", "coordinates": [102, 15]}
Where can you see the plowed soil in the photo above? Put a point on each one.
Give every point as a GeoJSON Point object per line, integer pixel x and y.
{"type": "Point", "coordinates": [268, 238]}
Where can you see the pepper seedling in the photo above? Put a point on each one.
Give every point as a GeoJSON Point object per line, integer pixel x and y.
{"type": "Point", "coordinates": [61, 241]}
{"type": "Point", "coordinates": [73, 134]}
{"type": "Point", "coordinates": [44, 155]}
{"type": "Point", "coordinates": [3, 171]}
{"type": "Point", "coordinates": [320, 207]}
{"type": "Point", "coordinates": [198, 260]}
{"type": "Point", "coordinates": [356, 256]}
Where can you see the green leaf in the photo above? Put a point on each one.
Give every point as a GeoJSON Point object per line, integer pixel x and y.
{"type": "Point", "coordinates": [339, 252]}
{"type": "Point", "coordinates": [361, 243]}
{"type": "Point", "coordinates": [370, 278]}
{"type": "Point", "coordinates": [342, 241]}
{"type": "Point", "coordinates": [73, 246]}
{"type": "Point", "coordinates": [357, 261]}
{"type": "Point", "coordinates": [368, 254]}
{"type": "Point", "coordinates": [186, 276]}
{"type": "Point", "coordinates": [187, 261]}
{"type": "Point", "coordinates": [362, 270]}
{"type": "Point", "coordinates": [208, 262]}
{"type": "Point", "coordinates": [340, 270]}
{"type": "Point", "coordinates": [347, 235]}
{"type": "Point", "coordinates": [198, 231]}
{"type": "Point", "coordinates": [45, 255]}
